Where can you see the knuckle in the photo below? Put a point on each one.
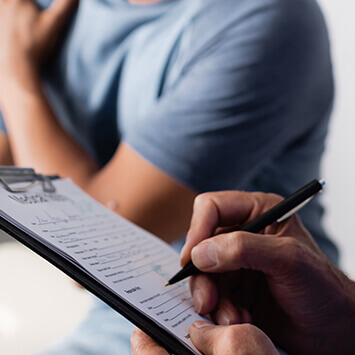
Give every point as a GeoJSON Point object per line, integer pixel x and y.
{"type": "Point", "coordinates": [247, 330]}
{"type": "Point", "coordinates": [231, 338]}
{"type": "Point", "coordinates": [201, 199]}
{"type": "Point", "coordinates": [200, 203]}
{"type": "Point", "coordinates": [293, 246]}
{"type": "Point", "coordinates": [259, 202]}
{"type": "Point", "coordinates": [264, 201]}
{"type": "Point", "coordinates": [274, 198]}
{"type": "Point", "coordinates": [237, 244]}
{"type": "Point", "coordinates": [242, 332]}
{"type": "Point", "coordinates": [295, 252]}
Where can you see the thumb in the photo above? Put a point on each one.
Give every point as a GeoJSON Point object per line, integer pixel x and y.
{"type": "Point", "coordinates": [142, 344]}
{"type": "Point", "coordinates": [241, 250]}
{"type": "Point", "coordinates": [230, 339]}
{"type": "Point", "coordinates": [205, 336]}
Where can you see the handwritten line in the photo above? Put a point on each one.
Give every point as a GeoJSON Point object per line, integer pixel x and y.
{"type": "Point", "coordinates": [117, 251]}
{"type": "Point", "coordinates": [172, 298]}
{"type": "Point", "coordinates": [174, 307]}
{"type": "Point", "coordinates": [88, 231]}
{"type": "Point", "coordinates": [131, 261]}
{"type": "Point", "coordinates": [145, 273]}
{"type": "Point", "coordinates": [64, 229]}
{"type": "Point", "coordinates": [179, 314]}
{"type": "Point", "coordinates": [118, 266]}
{"type": "Point", "coordinates": [97, 236]}
{"type": "Point", "coordinates": [110, 246]}
{"type": "Point", "coordinates": [110, 261]}
{"type": "Point", "coordinates": [64, 220]}
{"type": "Point", "coordinates": [150, 263]}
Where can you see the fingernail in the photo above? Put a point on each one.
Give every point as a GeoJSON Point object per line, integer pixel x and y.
{"type": "Point", "coordinates": [202, 324]}
{"type": "Point", "coordinates": [198, 300]}
{"type": "Point", "coordinates": [223, 318]}
{"type": "Point", "coordinates": [205, 255]}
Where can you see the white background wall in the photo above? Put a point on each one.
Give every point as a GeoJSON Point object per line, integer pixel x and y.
{"type": "Point", "coordinates": [339, 162]}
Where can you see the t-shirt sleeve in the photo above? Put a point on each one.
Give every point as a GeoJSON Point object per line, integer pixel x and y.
{"type": "Point", "coordinates": [256, 87]}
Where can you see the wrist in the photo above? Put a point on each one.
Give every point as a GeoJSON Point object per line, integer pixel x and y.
{"type": "Point", "coordinates": [23, 82]}
{"type": "Point", "coordinates": [345, 340]}
{"type": "Point", "coordinates": [341, 333]}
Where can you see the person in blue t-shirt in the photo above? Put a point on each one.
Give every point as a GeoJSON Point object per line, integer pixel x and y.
{"type": "Point", "coordinates": [147, 103]}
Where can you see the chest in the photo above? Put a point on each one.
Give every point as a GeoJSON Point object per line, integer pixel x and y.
{"type": "Point", "coordinates": [116, 63]}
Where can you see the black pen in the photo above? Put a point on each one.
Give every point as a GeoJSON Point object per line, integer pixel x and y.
{"type": "Point", "coordinates": [278, 213]}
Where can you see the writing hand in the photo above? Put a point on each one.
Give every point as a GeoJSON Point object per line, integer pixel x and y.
{"type": "Point", "coordinates": [279, 280]}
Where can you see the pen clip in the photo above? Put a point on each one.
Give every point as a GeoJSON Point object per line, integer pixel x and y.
{"type": "Point", "coordinates": [297, 208]}
{"type": "Point", "coordinates": [293, 211]}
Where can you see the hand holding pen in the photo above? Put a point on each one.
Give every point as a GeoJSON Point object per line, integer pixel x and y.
{"type": "Point", "coordinates": [277, 212]}
{"type": "Point", "coordinates": [278, 279]}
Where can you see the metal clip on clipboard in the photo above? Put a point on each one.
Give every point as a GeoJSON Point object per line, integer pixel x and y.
{"type": "Point", "coordinates": [12, 175]}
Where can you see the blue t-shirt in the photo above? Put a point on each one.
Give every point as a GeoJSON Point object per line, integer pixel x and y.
{"type": "Point", "coordinates": [220, 94]}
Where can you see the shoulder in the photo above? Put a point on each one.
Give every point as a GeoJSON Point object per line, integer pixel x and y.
{"type": "Point", "coordinates": [226, 12]}
{"type": "Point", "coordinates": [261, 21]}
{"type": "Point", "coordinates": [283, 43]}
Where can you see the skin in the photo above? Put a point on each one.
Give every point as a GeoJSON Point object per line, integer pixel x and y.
{"type": "Point", "coordinates": [5, 151]}
{"type": "Point", "coordinates": [210, 339]}
{"type": "Point", "coordinates": [279, 280]}
{"type": "Point", "coordinates": [36, 139]}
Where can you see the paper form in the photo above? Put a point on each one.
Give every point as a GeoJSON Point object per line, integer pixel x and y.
{"type": "Point", "coordinates": [130, 261]}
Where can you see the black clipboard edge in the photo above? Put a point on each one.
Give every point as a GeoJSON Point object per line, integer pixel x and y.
{"type": "Point", "coordinates": [161, 336]}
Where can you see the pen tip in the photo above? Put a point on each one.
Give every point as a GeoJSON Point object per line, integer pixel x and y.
{"type": "Point", "coordinates": [167, 284]}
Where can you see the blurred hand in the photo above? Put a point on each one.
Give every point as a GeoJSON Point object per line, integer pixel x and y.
{"type": "Point", "coordinates": [211, 339]}
{"type": "Point", "coordinates": [280, 280]}
{"type": "Point", "coordinates": [28, 35]}
{"type": "Point", "coordinates": [142, 344]}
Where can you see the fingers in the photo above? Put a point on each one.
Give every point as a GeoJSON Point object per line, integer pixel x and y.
{"type": "Point", "coordinates": [210, 211]}
{"type": "Point", "coordinates": [57, 15]}
{"type": "Point", "coordinates": [213, 210]}
{"type": "Point", "coordinates": [227, 313]}
{"type": "Point", "coordinates": [236, 339]}
{"type": "Point", "coordinates": [240, 250]}
{"type": "Point", "coordinates": [209, 298]}
{"type": "Point", "coordinates": [142, 344]}
{"type": "Point", "coordinates": [62, 8]}
{"type": "Point", "coordinates": [204, 293]}
{"type": "Point", "coordinates": [205, 336]}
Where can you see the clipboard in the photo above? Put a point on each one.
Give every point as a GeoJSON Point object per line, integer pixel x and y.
{"type": "Point", "coordinates": [12, 175]}
{"type": "Point", "coordinates": [9, 176]}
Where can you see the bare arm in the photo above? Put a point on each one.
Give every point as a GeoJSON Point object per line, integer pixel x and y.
{"type": "Point", "coordinates": [36, 137]}
{"type": "Point", "coordinates": [156, 202]}
{"type": "Point", "coordinates": [5, 150]}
